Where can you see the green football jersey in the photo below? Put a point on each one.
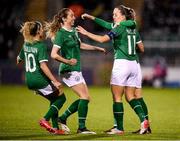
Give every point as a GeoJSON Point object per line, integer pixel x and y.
{"type": "Point", "coordinates": [32, 55]}
{"type": "Point", "coordinates": [124, 42]}
{"type": "Point", "coordinates": [69, 44]}
{"type": "Point", "coordinates": [127, 23]}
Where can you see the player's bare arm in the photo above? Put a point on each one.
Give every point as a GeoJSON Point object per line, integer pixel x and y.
{"type": "Point", "coordinates": [18, 60]}
{"type": "Point", "coordinates": [140, 46]}
{"type": "Point", "coordinates": [85, 46]}
{"type": "Point", "coordinates": [56, 56]}
{"type": "Point", "coordinates": [87, 16]}
{"type": "Point", "coordinates": [45, 69]}
{"type": "Point", "coordinates": [94, 37]}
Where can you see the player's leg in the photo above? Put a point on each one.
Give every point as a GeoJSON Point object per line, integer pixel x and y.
{"type": "Point", "coordinates": [62, 120]}
{"type": "Point", "coordinates": [55, 125]}
{"type": "Point", "coordinates": [118, 110]}
{"type": "Point", "coordinates": [76, 81]}
{"type": "Point", "coordinates": [70, 79]}
{"type": "Point", "coordinates": [54, 117]}
{"type": "Point", "coordinates": [115, 122]}
{"type": "Point", "coordinates": [56, 99]}
{"type": "Point", "coordinates": [57, 102]}
{"type": "Point", "coordinates": [138, 96]}
{"type": "Point", "coordinates": [138, 91]}
{"type": "Point", "coordinates": [69, 111]}
{"type": "Point", "coordinates": [136, 106]}
{"type": "Point", "coordinates": [130, 96]}
{"type": "Point", "coordinates": [118, 77]}
{"type": "Point", "coordinates": [82, 91]}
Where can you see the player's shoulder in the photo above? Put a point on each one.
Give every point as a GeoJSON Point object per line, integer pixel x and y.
{"type": "Point", "coordinates": [119, 27]}
{"type": "Point", "coordinates": [41, 44]}
{"type": "Point", "coordinates": [61, 31]}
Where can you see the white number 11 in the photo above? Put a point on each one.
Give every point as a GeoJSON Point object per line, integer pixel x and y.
{"type": "Point", "coordinates": [131, 44]}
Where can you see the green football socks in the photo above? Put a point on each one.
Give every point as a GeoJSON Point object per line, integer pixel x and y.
{"type": "Point", "coordinates": [55, 106]}
{"type": "Point", "coordinates": [136, 106]}
{"type": "Point", "coordinates": [118, 112]}
{"type": "Point", "coordinates": [54, 121]}
{"type": "Point", "coordinates": [82, 112]}
{"type": "Point", "coordinates": [70, 110]}
{"type": "Point", "coordinates": [144, 106]}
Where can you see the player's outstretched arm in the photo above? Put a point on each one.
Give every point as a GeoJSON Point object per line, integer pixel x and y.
{"type": "Point", "coordinates": [98, 38]}
{"type": "Point", "coordinates": [98, 21]}
{"type": "Point", "coordinates": [108, 25]}
{"type": "Point", "coordinates": [85, 46]}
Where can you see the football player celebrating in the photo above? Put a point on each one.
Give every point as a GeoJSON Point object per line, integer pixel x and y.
{"type": "Point", "coordinates": [125, 69]}
{"type": "Point", "coordinates": [66, 49]}
{"type": "Point", "coordinates": [38, 76]}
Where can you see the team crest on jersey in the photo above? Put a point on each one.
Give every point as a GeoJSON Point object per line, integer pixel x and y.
{"type": "Point", "coordinates": [77, 78]}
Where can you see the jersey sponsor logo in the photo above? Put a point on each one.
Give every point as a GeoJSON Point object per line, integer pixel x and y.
{"type": "Point", "coordinates": [77, 78]}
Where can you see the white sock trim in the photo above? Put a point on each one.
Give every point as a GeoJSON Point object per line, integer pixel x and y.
{"type": "Point", "coordinates": [137, 106]}
{"type": "Point", "coordinates": [82, 117]}
{"type": "Point", "coordinates": [69, 111]}
{"type": "Point", "coordinates": [118, 112]}
{"type": "Point", "coordinates": [55, 107]}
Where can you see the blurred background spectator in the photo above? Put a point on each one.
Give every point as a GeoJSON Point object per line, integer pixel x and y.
{"type": "Point", "coordinates": [158, 23]}
{"type": "Point", "coordinates": [159, 73]}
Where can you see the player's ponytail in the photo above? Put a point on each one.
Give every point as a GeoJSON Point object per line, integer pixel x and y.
{"type": "Point", "coordinates": [58, 20]}
{"type": "Point", "coordinates": [30, 30]}
{"type": "Point", "coordinates": [128, 12]}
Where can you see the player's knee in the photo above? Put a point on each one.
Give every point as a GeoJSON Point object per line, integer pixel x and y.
{"type": "Point", "coordinates": [87, 97]}
{"type": "Point", "coordinates": [117, 98]}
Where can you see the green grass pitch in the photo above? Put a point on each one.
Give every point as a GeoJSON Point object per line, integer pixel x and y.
{"type": "Point", "coordinates": [20, 111]}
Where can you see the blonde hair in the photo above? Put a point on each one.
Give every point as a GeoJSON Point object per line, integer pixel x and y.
{"type": "Point", "coordinates": [58, 19]}
{"type": "Point", "coordinates": [30, 30]}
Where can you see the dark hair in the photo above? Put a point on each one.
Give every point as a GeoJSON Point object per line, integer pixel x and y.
{"type": "Point", "coordinates": [128, 12]}
{"type": "Point", "coordinates": [35, 28]}
{"type": "Point", "coordinates": [63, 13]}
{"type": "Point", "coordinates": [58, 20]}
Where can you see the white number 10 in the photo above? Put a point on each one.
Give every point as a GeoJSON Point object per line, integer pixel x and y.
{"type": "Point", "coordinates": [30, 62]}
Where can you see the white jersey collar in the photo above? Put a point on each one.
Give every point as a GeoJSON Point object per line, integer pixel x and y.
{"type": "Point", "coordinates": [67, 29]}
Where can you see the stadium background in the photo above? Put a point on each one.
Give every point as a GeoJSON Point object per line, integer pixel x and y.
{"type": "Point", "coordinates": [158, 23]}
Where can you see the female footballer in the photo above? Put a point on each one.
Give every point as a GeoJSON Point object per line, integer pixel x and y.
{"type": "Point", "coordinates": [66, 49]}
{"type": "Point", "coordinates": [123, 78]}
{"type": "Point", "coordinates": [140, 48]}
{"type": "Point", "coordinates": [38, 76]}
